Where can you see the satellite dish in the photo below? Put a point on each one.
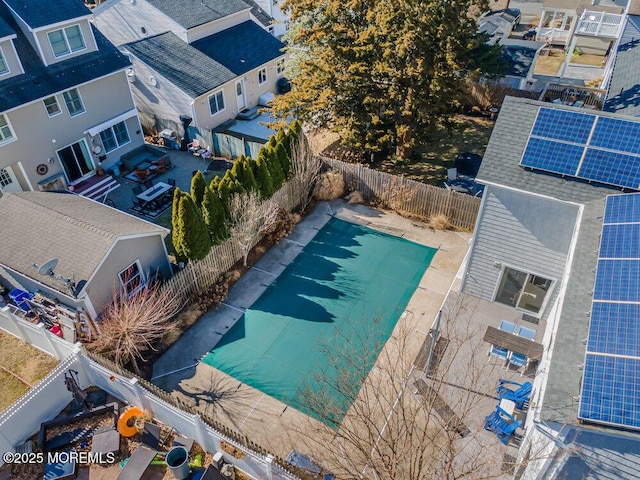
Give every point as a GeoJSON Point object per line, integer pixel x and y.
{"type": "Point", "coordinates": [47, 267]}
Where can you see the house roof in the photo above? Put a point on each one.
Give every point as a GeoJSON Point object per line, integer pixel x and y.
{"type": "Point", "coordinates": [241, 48]}
{"type": "Point", "coordinates": [520, 54]}
{"type": "Point", "coordinates": [77, 231]}
{"type": "Point", "coordinates": [263, 17]}
{"type": "Point", "coordinates": [5, 29]}
{"type": "Point", "coordinates": [40, 81]}
{"type": "Point", "coordinates": [192, 13]}
{"type": "Point", "coordinates": [39, 13]}
{"type": "Point", "coordinates": [623, 95]}
{"type": "Point", "coordinates": [186, 67]}
{"type": "Point", "coordinates": [500, 166]}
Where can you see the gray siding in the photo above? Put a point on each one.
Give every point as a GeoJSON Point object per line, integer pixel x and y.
{"type": "Point", "coordinates": [87, 36]}
{"type": "Point", "coordinates": [11, 59]}
{"type": "Point", "coordinates": [39, 137]}
{"type": "Point", "coordinates": [149, 250]}
{"type": "Point", "coordinates": [163, 102]}
{"type": "Point", "coordinates": [522, 231]}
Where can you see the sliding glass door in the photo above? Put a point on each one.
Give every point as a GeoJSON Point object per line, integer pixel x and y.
{"type": "Point", "coordinates": [76, 161]}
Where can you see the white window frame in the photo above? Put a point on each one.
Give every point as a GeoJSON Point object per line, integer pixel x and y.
{"type": "Point", "coordinates": [3, 59]}
{"type": "Point", "coordinates": [67, 103]}
{"type": "Point", "coordinates": [280, 65]}
{"type": "Point", "coordinates": [141, 274]}
{"type": "Point", "coordinates": [57, 105]}
{"type": "Point", "coordinates": [66, 41]}
{"type": "Point", "coordinates": [528, 273]}
{"type": "Point", "coordinates": [12, 137]}
{"type": "Point", "coordinates": [224, 102]}
{"type": "Point", "coordinates": [262, 76]}
{"type": "Point", "coordinates": [115, 137]}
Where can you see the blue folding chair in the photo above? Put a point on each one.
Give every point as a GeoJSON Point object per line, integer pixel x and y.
{"type": "Point", "coordinates": [528, 333]}
{"type": "Point", "coordinates": [517, 359]}
{"type": "Point", "coordinates": [519, 396]}
{"type": "Point", "coordinates": [500, 352]}
{"type": "Point", "coordinates": [502, 424]}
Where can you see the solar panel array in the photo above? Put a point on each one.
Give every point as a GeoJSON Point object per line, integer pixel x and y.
{"type": "Point", "coordinates": [585, 146]}
{"type": "Point", "coordinates": [611, 382]}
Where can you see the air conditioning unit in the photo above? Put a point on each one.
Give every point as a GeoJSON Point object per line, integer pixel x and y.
{"type": "Point", "coordinates": [218, 460]}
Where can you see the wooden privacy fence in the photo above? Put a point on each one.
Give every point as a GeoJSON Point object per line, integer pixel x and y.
{"type": "Point", "coordinates": [408, 196]}
{"type": "Point", "coordinates": [198, 276]}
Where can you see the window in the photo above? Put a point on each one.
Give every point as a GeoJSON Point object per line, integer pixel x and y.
{"type": "Point", "coordinates": [114, 136]}
{"type": "Point", "coordinates": [262, 76]}
{"type": "Point", "coordinates": [51, 104]}
{"type": "Point", "coordinates": [4, 68]}
{"type": "Point", "coordinates": [280, 66]}
{"type": "Point", "coordinates": [6, 134]}
{"type": "Point", "coordinates": [524, 291]}
{"type": "Point", "coordinates": [132, 278]}
{"type": "Point", "coordinates": [66, 40]}
{"type": "Point", "coordinates": [216, 102]}
{"type": "Point", "coordinates": [5, 178]}
{"type": "Point", "coordinates": [74, 102]}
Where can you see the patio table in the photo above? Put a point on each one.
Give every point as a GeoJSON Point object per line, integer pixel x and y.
{"type": "Point", "coordinates": [150, 194]}
{"type": "Point", "coordinates": [515, 343]}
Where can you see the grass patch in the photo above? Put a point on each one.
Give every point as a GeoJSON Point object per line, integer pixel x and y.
{"type": "Point", "coordinates": [550, 64]}
{"type": "Point", "coordinates": [470, 134]}
{"type": "Point", "coordinates": [164, 220]}
{"type": "Point", "coordinates": [22, 366]}
{"type": "Point", "coordinates": [589, 59]}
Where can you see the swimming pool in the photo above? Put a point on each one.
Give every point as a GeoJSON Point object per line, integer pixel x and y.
{"type": "Point", "coordinates": [343, 293]}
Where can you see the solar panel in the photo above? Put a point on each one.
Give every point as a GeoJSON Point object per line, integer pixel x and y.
{"type": "Point", "coordinates": [618, 280]}
{"type": "Point", "coordinates": [622, 209]}
{"type": "Point", "coordinates": [610, 391]}
{"type": "Point", "coordinates": [563, 125]}
{"type": "Point", "coordinates": [610, 167]}
{"type": "Point", "coordinates": [620, 241]}
{"type": "Point", "coordinates": [616, 134]}
{"type": "Point", "coordinates": [611, 381]}
{"type": "Point", "coordinates": [552, 156]}
{"type": "Point", "coordinates": [614, 329]}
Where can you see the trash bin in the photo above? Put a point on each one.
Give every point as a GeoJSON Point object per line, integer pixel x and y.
{"type": "Point", "coordinates": [169, 139]}
{"type": "Point", "coordinates": [178, 462]}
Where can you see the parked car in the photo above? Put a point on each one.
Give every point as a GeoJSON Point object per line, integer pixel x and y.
{"type": "Point", "coordinates": [512, 15]}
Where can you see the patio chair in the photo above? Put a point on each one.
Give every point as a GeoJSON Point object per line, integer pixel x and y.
{"type": "Point", "coordinates": [194, 146]}
{"type": "Point", "coordinates": [500, 352]}
{"type": "Point", "coordinates": [140, 206]}
{"type": "Point", "coordinates": [502, 424]}
{"type": "Point", "coordinates": [148, 184]}
{"type": "Point", "coordinates": [137, 190]}
{"type": "Point", "coordinates": [452, 174]}
{"type": "Point", "coordinates": [520, 395]}
{"type": "Point", "coordinates": [519, 361]}
{"type": "Point", "coordinates": [525, 332]}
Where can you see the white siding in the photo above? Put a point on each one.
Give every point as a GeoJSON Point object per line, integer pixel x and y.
{"type": "Point", "coordinates": [123, 21]}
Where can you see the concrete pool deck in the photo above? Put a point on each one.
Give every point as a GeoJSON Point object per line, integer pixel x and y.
{"type": "Point", "coordinates": [261, 418]}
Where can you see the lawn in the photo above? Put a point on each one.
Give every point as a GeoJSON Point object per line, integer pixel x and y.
{"type": "Point", "coordinates": [21, 366]}
{"type": "Point", "coordinates": [470, 134]}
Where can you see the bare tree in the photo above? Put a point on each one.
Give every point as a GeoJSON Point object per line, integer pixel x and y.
{"type": "Point", "coordinates": [407, 417]}
{"type": "Point", "coordinates": [305, 168]}
{"type": "Point", "coordinates": [250, 219]}
{"type": "Point", "coordinates": [134, 324]}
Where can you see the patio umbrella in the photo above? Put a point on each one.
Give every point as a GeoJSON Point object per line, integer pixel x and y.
{"type": "Point", "coordinates": [186, 121]}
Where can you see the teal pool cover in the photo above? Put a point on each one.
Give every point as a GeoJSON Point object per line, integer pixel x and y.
{"type": "Point", "coordinates": [325, 318]}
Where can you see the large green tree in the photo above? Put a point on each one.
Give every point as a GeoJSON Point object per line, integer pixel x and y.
{"type": "Point", "coordinates": [190, 235]}
{"type": "Point", "coordinates": [383, 73]}
{"type": "Point", "coordinates": [214, 216]}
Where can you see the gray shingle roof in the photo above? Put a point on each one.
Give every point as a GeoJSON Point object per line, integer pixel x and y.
{"type": "Point", "coordinates": [190, 70]}
{"type": "Point", "coordinates": [241, 48]}
{"type": "Point", "coordinates": [39, 13]}
{"type": "Point", "coordinates": [192, 13]}
{"type": "Point", "coordinates": [77, 231]}
{"type": "Point", "coordinates": [500, 166]}
{"type": "Point", "coordinates": [39, 81]}
{"type": "Point", "coordinates": [624, 89]}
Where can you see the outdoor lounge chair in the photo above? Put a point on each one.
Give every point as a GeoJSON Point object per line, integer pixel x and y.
{"type": "Point", "coordinates": [500, 352]}
{"type": "Point", "coordinates": [519, 395]}
{"type": "Point", "coordinates": [525, 332]}
{"type": "Point", "coordinates": [517, 359]}
{"type": "Point", "coordinates": [502, 424]}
